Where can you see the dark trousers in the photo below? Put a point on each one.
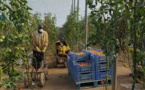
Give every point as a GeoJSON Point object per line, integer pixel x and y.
{"type": "Point", "coordinates": [37, 60]}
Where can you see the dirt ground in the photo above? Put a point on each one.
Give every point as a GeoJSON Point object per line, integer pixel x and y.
{"type": "Point", "coordinates": [60, 80]}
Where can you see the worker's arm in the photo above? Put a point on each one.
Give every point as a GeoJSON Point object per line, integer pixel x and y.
{"type": "Point", "coordinates": [60, 49]}
{"type": "Point", "coordinates": [38, 49]}
{"type": "Point", "coordinates": [34, 42]}
{"type": "Point", "coordinates": [45, 42]}
{"type": "Point", "coordinates": [68, 48]}
{"type": "Point", "coordinates": [33, 39]}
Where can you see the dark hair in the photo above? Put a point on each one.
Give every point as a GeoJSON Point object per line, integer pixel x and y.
{"type": "Point", "coordinates": [39, 26]}
{"type": "Point", "coordinates": [61, 38]}
{"type": "Point", "coordinates": [64, 43]}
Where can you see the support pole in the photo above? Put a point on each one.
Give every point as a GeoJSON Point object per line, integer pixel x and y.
{"type": "Point", "coordinates": [86, 21]}
{"type": "Point", "coordinates": [78, 25]}
{"type": "Point", "coordinates": [74, 4]}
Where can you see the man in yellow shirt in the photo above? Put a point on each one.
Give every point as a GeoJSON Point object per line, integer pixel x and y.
{"type": "Point", "coordinates": [40, 43]}
{"type": "Point", "coordinates": [62, 48]}
{"type": "Point", "coordinates": [62, 51]}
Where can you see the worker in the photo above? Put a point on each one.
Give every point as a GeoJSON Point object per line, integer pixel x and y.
{"type": "Point", "coordinates": [62, 48]}
{"type": "Point", "coordinates": [40, 43]}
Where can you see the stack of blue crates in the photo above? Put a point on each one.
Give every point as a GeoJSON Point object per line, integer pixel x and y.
{"type": "Point", "coordinates": [98, 70]}
{"type": "Point", "coordinates": [81, 74]}
{"type": "Point", "coordinates": [103, 68]}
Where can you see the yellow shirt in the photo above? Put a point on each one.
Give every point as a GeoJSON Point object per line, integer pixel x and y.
{"type": "Point", "coordinates": [65, 48]}
{"type": "Point", "coordinates": [62, 49]}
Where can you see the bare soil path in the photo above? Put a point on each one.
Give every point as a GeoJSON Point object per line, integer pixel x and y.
{"type": "Point", "coordinates": [60, 80]}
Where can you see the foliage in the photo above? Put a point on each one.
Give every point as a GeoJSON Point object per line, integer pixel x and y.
{"type": "Point", "coordinates": [74, 31]}
{"type": "Point", "coordinates": [103, 26]}
{"type": "Point", "coordinates": [49, 26]}
{"type": "Point", "coordinates": [15, 41]}
{"type": "Point", "coordinates": [10, 82]}
{"type": "Point", "coordinates": [1, 73]}
{"type": "Point", "coordinates": [35, 20]}
{"type": "Point", "coordinates": [117, 23]}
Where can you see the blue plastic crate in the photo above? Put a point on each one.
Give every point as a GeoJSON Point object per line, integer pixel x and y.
{"type": "Point", "coordinates": [102, 66]}
{"type": "Point", "coordinates": [99, 75]}
{"type": "Point", "coordinates": [78, 68]}
{"type": "Point", "coordinates": [83, 76]}
{"type": "Point", "coordinates": [98, 59]}
{"type": "Point", "coordinates": [99, 50]}
{"type": "Point", "coordinates": [91, 56]}
{"type": "Point", "coordinates": [69, 66]}
{"type": "Point", "coordinates": [75, 57]}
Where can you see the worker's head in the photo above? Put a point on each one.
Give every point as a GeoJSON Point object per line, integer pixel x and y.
{"type": "Point", "coordinates": [40, 29]}
{"type": "Point", "coordinates": [61, 38]}
{"type": "Point", "coordinates": [58, 43]}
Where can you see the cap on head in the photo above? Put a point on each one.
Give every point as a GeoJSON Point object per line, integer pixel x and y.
{"type": "Point", "coordinates": [39, 26]}
{"type": "Point", "coordinates": [40, 29]}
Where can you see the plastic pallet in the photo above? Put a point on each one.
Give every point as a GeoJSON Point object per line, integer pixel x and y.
{"type": "Point", "coordinates": [78, 68]}
{"type": "Point", "coordinates": [93, 84]}
{"type": "Point", "coordinates": [100, 83]}
{"type": "Point", "coordinates": [99, 75]}
{"type": "Point", "coordinates": [85, 76]}
{"type": "Point", "coordinates": [87, 84]}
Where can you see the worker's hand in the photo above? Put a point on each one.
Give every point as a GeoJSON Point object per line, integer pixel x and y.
{"type": "Point", "coordinates": [66, 55]}
{"type": "Point", "coordinates": [44, 49]}
{"type": "Point", "coordinates": [38, 49]}
{"type": "Point", "coordinates": [67, 51]}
